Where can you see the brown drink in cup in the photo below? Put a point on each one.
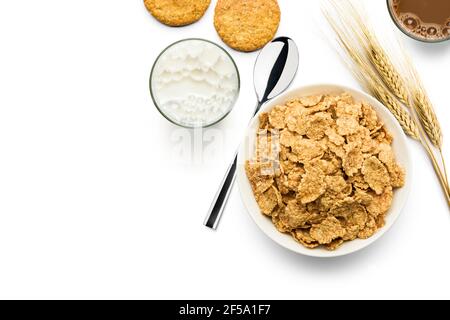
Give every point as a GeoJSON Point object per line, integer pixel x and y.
{"type": "Point", "coordinates": [425, 20]}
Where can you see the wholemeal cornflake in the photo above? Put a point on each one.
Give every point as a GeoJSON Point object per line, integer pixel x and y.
{"type": "Point", "coordinates": [370, 118]}
{"type": "Point", "coordinates": [329, 199]}
{"type": "Point", "coordinates": [380, 204]}
{"type": "Point", "coordinates": [283, 156]}
{"type": "Point", "coordinates": [358, 181]}
{"type": "Point", "coordinates": [307, 150]}
{"type": "Point", "coordinates": [264, 121]}
{"type": "Point", "coordinates": [363, 197]}
{"type": "Point", "coordinates": [268, 200]}
{"type": "Point", "coordinates": [396, 172]}
{"type": "Point", "coordinates": [381, 221]}
{"type": "Point", "coordinates": [351, 231]}
{"type": "Point", "coordinates": [369, 229]}
{"type": "Point", "coordinates": [353, 160]}
{"type": "Point", "coordinates": [321, 106]}
{"type": "Point", "coordinates": [327, 231]}
{"type": "Point", "coordinates": [281, 227]}
{"type": "Point", "coordinates": [288, 197]}
{"type": "Point", "coordinates": [301, 124]}
{"type": "Point", "coordinates": [293, 103]}
{"type": "Point", "coordinates": [287, 138]}
{"type": "Point", "coordinates": [293, 157]}
{"type": "Point", "coordinates": [328, 167]}
{"type": "Point", "coordinates": [317, 124]}
{"type": "Point", "coordinates": [312, 185]}
{"type": "Point", "coordinates": [375, 174]}
{"type": "Point", "coordinates": [294, 177]}
{"type": "Point", "coordinates": [347, 125]}
{"type": "Point", "coordinates": [382, 136]}
{"type": "Point", "coordinates": [362, 139]}
{"type": "Point", "coordinates": [334, 136]}
{"type": "Point", "coordinates": [264, 149]}
{"type": "Point", "coordinates": [287, 166]}
{"type": "Point", "coordinates": [339, 151]}
{"type": "Point", "coordinates": [310, 101]}
{"type": "Point", "coordinates": [314, 207]}
{"type": "Point", "coordinates": [344, 97]}
{"type": "Point", "coordinates": [338, 185]}
{"type": "Point", "coordinates": [259, 179]}
{"type": "Point", "coordinates": [353, 217]}
{"type": "Point", "coordinates": [352, 110]}
{"type": "Point", "coordinates": [277, 117]}
{"type": "Point", "coordinates": [324, 170]}
{"type": "Point", "coordinates": [282, 184]}
{"type": "Point", "coordinates": [295, 215]}
{"type": "Point", "coordinates": [303, 236]}
{"type": "Point", "coordinates": [291, 122]}
{"type": "Point", "coordinates": [335, 244]}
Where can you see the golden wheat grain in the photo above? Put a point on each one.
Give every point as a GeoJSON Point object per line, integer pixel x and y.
{"type": "Point", "coordinates": [420, 103]}
{"type": "Point", "coordinates": [395, 81]}
{"type": "Point", "coordinates": [389, 74]}
{"type": "Point", "coordinates": [424, 108]}
{"type": "Point", "coordinates": [403, 117]}
{"type": "Point", "coordinates": [375, 71]}
{"type": "Point", "coordinates": [428, 118]}
{"type": "Point", "coordinates": [367, 78]}
{"type": "Point", "coordinates": [355, 21]}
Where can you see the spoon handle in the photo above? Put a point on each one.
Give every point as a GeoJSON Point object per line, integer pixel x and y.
{"type": "Point", "coordinates": [220, 200]}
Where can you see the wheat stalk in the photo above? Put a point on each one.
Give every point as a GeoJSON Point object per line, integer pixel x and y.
{"type": "Point", "coordinates": [372, 67]}
{"type": "Point", "coordinates": [403, 117]}
{"type": "Point", "coordinates": [425, 111]}
{"type": "Point", "coordinates": [391, 77]}
{"type": "Point", "coordinates": [430, 123]}
{"type": "Point", "coordinates": [408, 123]}
{"type": "Point", "coordinates": [420, 103]}
{"type": "Point", "coordinates": [388, 73]}
{"type": "Point", "coordinates": [367, 78]}
{"type": "Point", "coordinates": [428, 118]}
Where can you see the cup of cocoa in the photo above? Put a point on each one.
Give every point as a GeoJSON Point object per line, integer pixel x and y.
{"type": "Point", "coordinates": [423, 20]}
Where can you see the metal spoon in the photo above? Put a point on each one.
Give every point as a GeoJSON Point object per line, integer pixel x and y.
{"type": "Point", "coordinates": [275, 68]}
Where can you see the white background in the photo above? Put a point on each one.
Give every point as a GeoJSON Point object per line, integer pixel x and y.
{"type": "Point", "coordinates": [94, 204]}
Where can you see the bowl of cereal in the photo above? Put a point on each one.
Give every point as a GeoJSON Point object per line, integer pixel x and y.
{"type": "Point", "coordinates": [324, 170]}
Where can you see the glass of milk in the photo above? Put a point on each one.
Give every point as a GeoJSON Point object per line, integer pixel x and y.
{"type": "Point", "coordinates": [194, 83]}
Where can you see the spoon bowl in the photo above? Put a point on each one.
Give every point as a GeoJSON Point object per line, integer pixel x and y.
{"type": "Point", "coordinates": [275, 68]}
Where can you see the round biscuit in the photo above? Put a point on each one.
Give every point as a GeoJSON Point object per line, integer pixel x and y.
{"type": "Point", "coordinates": [247, 25]}
{"type": "Point", "coordinates": [177, 13]}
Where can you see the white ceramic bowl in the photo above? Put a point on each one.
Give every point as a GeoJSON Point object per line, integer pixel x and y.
{"type": "Point", "coordinates": [265, 224]}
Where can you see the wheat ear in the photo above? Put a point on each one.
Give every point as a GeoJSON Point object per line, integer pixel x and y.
{"type": "Point", "coordinates": [426, 115]}
{"type": "Point", "coordinates": [367, 78]}
{"type": "Point", "coordinates": [425, 112]}
{"type": "Point", "coordinates": [403, 117]}
{"type": "Point", "coordinates": [391, 77]}
{"type": "Point", "coordinates": [353, 40]}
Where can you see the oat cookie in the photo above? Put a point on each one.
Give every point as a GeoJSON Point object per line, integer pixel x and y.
{"type": "Point", "coordinates": [177, 13]}
{"type": "Point", "coordinates": [247, 25]}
